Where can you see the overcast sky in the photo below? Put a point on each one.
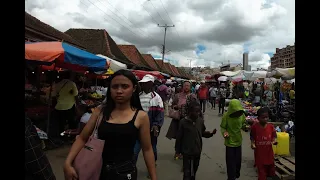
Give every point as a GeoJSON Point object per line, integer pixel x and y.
{"type": "Point", "coordinates": [209, 32]}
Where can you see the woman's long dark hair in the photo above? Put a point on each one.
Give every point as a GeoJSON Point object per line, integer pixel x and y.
{"type": "Point", "coordinates": [110, 105]}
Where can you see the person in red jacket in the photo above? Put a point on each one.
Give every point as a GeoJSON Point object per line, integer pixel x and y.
{"type": "Point", "coordinates": [203, 95]}
{"type": "Point", "coordinates": [262, 136]}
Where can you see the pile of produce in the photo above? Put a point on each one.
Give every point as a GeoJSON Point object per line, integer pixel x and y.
{"type": "Point", "coordinates": [89, 102]}
{"type": "Point", "coordinates": [249, 109]}
{"type": "Point", "coordinates": [96, 95]}
{"type": "Point", "coordinates": [251, 119]}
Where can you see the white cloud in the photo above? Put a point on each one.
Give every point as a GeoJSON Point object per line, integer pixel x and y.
{"type": "Point", "coordinates": [223, 26]}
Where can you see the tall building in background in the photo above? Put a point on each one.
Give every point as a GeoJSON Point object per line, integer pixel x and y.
{"type": "Point", "coordinates": [284, 58]}
{"type": "Point", "coordinates": [245, 63]}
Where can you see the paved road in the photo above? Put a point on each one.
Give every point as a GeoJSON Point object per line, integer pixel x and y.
{"type": "Point", "coordinates": [212, 163]}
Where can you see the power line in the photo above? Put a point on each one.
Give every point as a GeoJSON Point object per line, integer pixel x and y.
{"type": "Point", "coordinates": [148, 13]}
{"type": "Point", "coordinates": [156, 10]}
{"type": "Point", "coordinates": [116, 10]}
{"type": "Point", "coordinates": [163, 50]}
{"type": "Point", "coordinates": [113, 19]}
{"type": "Point", "coordinates": [169, 17]}
{"type": "Point", "coordinates": [124, 17]}
{"type": "Point", "coordinates": [85, 5]}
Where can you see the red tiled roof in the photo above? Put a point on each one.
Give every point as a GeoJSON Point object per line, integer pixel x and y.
{"type": "Point", "coordinates": [174, 70]}
{"type": "Point", "coordinates": [161, 66]}
{"type": "Point", "coordinates": [171, 69]}
{"type": "Point", "coordinates": [182, 73]}
{"type": "Point", "coordinates": [133, 54]}
{"type": "Point", "coordinates": [167, 66]}
{"type": "Point", "coordinates": [39, 26]}
{"type": "Point", "coordinates": [150, 61]}
{"type": "Point", "coordinates": [98, 41]}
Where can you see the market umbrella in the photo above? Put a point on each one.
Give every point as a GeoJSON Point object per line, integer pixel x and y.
{"type": "Point", "coordinates": [270, 80]}
{"type": "Point", "coordinates": [292, 80]}
{"type": "Point", "coordinates": [141, 73]}
{"type": "Point", "coordinates": [237, 78]}
{"type": "Point", "coordinates": [223, 78]}
{"type": "Point", "coordinates": [283, 73]}
{"type": "Point", "coordinates": [230, 73]}
{"type": "Point", "coordinates": [63, 55]}
{"type": "Point", "coordinates": [113, 65]}
{"type": "Point", "coordinates": [253, 75]}
{"type": "Point", "coordinates": [164, 74]}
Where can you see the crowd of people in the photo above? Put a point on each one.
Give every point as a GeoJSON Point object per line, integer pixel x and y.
{"type": "Point", "coordinates": [133, 113]}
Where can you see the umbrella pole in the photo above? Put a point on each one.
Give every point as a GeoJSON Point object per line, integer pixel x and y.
{"type": "Point", "coordinates": [50, 101]}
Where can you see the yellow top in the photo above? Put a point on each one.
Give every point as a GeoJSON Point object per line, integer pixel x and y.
{"type": "Point", "coordinates": [292, 94]}
{"type": "Point", "coordinates": [67, 91]}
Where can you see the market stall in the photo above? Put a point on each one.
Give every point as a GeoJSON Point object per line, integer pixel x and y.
{"type": "Point", "coordinates": [283, 73]}
{"type": "Point", "coordinates": [250, 111]}
{"type": "Point", "coordinates": [253, 75]}
{"type": "Point", "coordinates": [62, 55]}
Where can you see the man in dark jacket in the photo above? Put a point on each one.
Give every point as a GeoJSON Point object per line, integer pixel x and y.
{"type": "Point", "coordinates": [189, 140]}
{"type": "Point", "coordinates": [37, 166]}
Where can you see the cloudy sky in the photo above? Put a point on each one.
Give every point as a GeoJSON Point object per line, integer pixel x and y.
{"type": "Point", "coordinates": [206, 32]}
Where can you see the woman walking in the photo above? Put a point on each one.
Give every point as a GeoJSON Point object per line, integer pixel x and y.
{"type": "Point", "coordinates": [123, 122]}
{"type": "Point", "coordinates": [179, 103]}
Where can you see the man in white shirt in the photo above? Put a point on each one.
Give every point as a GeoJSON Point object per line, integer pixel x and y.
{"type": "Point", "coordinates": [152, 103]}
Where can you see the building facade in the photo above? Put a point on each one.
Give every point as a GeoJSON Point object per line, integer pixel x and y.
{"type": "Point", "coordinates": [284, 58]}
{"type": "Point", "coordinates": [245, 61]}
{"type": "Point", "coordinates": [225, 67]}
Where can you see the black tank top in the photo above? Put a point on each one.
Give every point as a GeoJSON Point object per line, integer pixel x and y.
{"type": "Point", "coordinates": [119, 140]}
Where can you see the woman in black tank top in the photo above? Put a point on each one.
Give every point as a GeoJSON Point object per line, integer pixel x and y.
{"type": "Point", "coordinates": [123, 122]}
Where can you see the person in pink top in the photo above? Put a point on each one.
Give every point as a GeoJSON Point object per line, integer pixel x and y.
{"type": "Point", "coordinates": [179, 103]}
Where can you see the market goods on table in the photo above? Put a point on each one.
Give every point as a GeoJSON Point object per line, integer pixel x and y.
{"type": "Point", "coordinates": [96, 95]}
{"type": "Point", "coordinates": [251, 112]}
{"type": "Point", "coordinates": [88, 102]}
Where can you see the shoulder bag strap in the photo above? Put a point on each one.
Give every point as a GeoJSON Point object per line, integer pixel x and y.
{"type": "Point", "coordinates": [61, 88]}
{"type": "Point", "coordinates": [95, 130]}
{"type": "Point", "coordinates": [135, 115]}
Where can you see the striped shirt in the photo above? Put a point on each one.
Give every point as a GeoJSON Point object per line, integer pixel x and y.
{"type": "Point", "coordinates": [145, 100]}
{"type": "Point", "coordinates": [153, 105]}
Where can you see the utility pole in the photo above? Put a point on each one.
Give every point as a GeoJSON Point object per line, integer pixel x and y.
{"type": "Point", "coordinates": [164, 39]}
{"type": "Point", "coordinates": [190, 63]}
{"type": "Point", "coordinates": [166, 51]}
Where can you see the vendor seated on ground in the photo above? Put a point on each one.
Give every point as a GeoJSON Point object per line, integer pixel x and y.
{"type": "Point", "coordinates": [85, 117]}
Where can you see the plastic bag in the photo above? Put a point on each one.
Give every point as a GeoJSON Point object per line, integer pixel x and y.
{"type": "Point", "coordinates": [41, 134]}
{"type": "Point", "coordinates": [170, 102]}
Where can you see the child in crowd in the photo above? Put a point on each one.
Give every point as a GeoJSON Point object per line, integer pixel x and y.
{"type": "Point", "coordinates": [232, 122]}
{"type": "Point", "coordinates": [263, 135]}
{"type": "Point", "coordinates": [189, 140]}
